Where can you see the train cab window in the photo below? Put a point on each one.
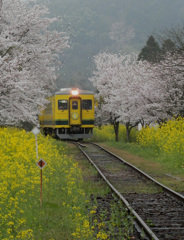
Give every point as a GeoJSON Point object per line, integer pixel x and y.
{"type": "Point", "coordinates": [87, 104]}
{"type": "Point", "coordinates": [62, 104]}
{"type": "Point", "coordinates": [74, 105]}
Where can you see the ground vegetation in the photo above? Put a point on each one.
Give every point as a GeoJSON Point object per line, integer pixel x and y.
{"type": "Point", "coordinates": [76, 204]}
{"type": "Point", "coordinates": [161, 144]}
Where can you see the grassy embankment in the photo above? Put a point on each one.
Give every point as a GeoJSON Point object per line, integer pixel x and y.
{"type": "Point", "coordinates": [71, 208]}
{"type": "Point", "coordinates": [157, 151]}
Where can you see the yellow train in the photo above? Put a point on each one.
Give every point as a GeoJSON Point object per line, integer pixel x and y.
{"type": "Point", "coordinates": [69, 114]}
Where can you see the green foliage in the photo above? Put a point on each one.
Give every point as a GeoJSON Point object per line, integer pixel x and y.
{"type": "Point", "coordinates": [151, 52]}
{"type": "Point", "coordinates": [110, 218]}
{"type": "Point", "coordinates": [168, 46]}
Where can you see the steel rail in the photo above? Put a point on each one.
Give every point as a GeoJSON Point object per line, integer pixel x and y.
{"type": "Point", "coordinates": [166, 189]}
{"type": "Point", "coordinates": [149, 234]}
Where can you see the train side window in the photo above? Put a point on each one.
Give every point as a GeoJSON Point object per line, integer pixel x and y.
{"type": "Point", "coordinates": [74, 105]}
{"type": "Point", "coordinates": [62, 104]}
{"type": "Point", "coordinates": [48, 109]}
{"type": "Point", "coordinates": [87, 104]}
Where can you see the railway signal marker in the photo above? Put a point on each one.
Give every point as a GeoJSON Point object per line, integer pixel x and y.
{"type": "Point", "coordinates": [41, 163]}
{"type": "Point", "coordinates": [35, 131]}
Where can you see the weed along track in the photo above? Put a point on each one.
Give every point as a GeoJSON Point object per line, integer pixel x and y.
{"type": "Point", "coordinates": [157, 210]}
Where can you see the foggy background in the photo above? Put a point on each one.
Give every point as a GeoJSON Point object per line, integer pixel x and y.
{"type": "Point", "coordinates": [119, 26]}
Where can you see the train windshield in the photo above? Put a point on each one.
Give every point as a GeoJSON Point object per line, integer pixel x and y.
{"type": "Point", "coordinates": [62, 104]}
{"type": "Point", "coordinates": [74, 105]}
{"type": "Point", "coordinates": [87, 104]}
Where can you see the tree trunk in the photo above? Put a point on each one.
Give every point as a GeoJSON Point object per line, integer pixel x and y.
{"type": "Point", "coordinates": [127, 132]}
{"type": "Point", "coordinates": [116, 130]}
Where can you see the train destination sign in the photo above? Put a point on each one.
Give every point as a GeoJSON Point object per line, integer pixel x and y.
{"type": "Point", "coordinates": [41, 163]}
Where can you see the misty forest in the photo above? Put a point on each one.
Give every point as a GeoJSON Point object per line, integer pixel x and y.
{"type": "Point", "coordinates": [120, 26]}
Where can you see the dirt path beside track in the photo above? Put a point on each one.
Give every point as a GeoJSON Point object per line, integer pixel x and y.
{"type": "Point", "coordinates": [155, 169]}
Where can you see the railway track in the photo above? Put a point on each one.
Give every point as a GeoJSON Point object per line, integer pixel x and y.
{"type": "Point", "coordinates": [158, 211]}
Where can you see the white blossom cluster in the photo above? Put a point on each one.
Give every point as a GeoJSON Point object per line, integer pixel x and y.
{"type": "Point", "coordinates": [137, 91]}
{"type": "Point", "coordinates": [29, 54]}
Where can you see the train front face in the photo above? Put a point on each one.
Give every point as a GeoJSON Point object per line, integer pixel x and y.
{"type": "Point", "coordinates": [74, 114]}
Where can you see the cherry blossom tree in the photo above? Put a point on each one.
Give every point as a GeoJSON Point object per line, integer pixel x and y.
{"type": "Point", "coordinates": [126, 88]}
{"type": "Point", "coordinates": [107, 70]}
{"type": "Point", "coordinates": [29, 57]}
{"type": "Point", "coordinates": [170, 83]}
{"type": "Point", "coordinates": [138, 91]}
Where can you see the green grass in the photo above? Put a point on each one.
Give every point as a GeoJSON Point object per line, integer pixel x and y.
{"type": "Point", "coordinates": [133, 148]}
{"type": "Point", "coordinates": [76, 202]}
{"type": "Point", "coordinates": [66, 216]}
{"type": "Point", "coordinates": [173, 162]}
{"type": "Point", "coordinates": [110, 219]}
{"type": "Point", "coordinates": [151, 153]}
{"type": "Point", "coordinates": [159, 167]}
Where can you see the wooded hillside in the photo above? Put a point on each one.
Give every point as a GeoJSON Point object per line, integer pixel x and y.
{"type": "Point", "coordinates": [105, 25]}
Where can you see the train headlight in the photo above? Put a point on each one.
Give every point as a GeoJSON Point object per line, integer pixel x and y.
{"type": "Point", "coordinates": [75, 92]}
